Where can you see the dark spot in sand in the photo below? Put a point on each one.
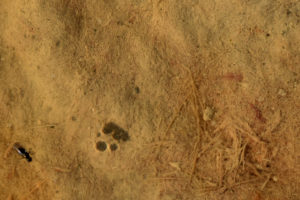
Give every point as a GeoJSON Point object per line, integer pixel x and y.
{"type": "Point", "coordinates": [113, 147]}
{"type": "Point", "coordinates": [120, 135]}
{"type": "Point", "coordinates": [101, 146]}
{"type": "Point", "coordinates": [110, 127]}
{"type": "Point", "coordinates": [137, 90]}
{"type": "Point", "coordinates": [117, 132]}
{"type": "Point", "coordinates": [120, 23]}
{"type": "Point", "coordinates": [125, 136]}
{"type": "Point", "coordinates": [117, 135]}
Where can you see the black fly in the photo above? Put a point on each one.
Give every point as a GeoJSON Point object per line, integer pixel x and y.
{"type": "Point", "coordinates": [22, 152]}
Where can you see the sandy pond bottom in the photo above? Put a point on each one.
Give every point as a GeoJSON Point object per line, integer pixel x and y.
{"type": "Point", "coordinates": [150, 100]}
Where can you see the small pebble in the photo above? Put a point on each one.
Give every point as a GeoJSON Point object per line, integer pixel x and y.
{"type": "Point", "coordinates": [208, 114]}
{"type": "Point", "coordinates": [113, 147]}
{"type": "Point", "coordinates": [260, 99]}
{"type": "Point", "coordinates": [101, 146]}
{"type": "Point", "coordinates": [213, 123]}
{"type": "Point", "coordinates": [175, 165]}
{"type": "Point", "coordinates": [281, 92]}
{"type": "Point", "coordinates": [275, 179]}
{"type": "Point", "coordinates": [295, 84]}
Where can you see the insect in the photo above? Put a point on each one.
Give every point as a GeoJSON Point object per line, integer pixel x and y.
{"type": "Point", "coordinates": [21, 150]}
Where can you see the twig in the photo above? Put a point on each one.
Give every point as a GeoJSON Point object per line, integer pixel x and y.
{"type": "Point", "coordinates": [219, 160]}
{"type": "Point", "coordinates": [36, 187]}
{"type": "Point", "coordinates": [195, 160]}
{"type": "Point", "coordinates": [8, 150]}
{"type": "Point", "coordinates": [254, 169]}
{"type": "Point", "coordinates": [265, 183]}
{"type": "Point", "coordinates": [243, 182]}
{"type": "Point", "coordinates": [58, 169]}
{"type": "Point", "coordinates": [249, 132]}
{"type": "Point", "coordinates": [242, 154]}
{"type": "Point", "coordinates": [168, 178]}
{"type": "Point", "coordinates": [176, 115]}
{"type": "Point", "coordinates": [205, 148]}
{"type": "Point", "coordinates": [10, 197]}
{"type": "Point", "coordinates": [198, 119]}
{"type": "Point", "coordinates": [223, 189]}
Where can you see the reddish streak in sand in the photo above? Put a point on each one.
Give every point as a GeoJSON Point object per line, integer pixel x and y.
{"type": "Point", "coordinates": [258, 113]}
{"type": "Point", "coordinates": [233, 77]}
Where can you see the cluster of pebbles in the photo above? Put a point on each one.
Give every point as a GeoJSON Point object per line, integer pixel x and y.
{"type": "Point", "coordinates": [117, 134]}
